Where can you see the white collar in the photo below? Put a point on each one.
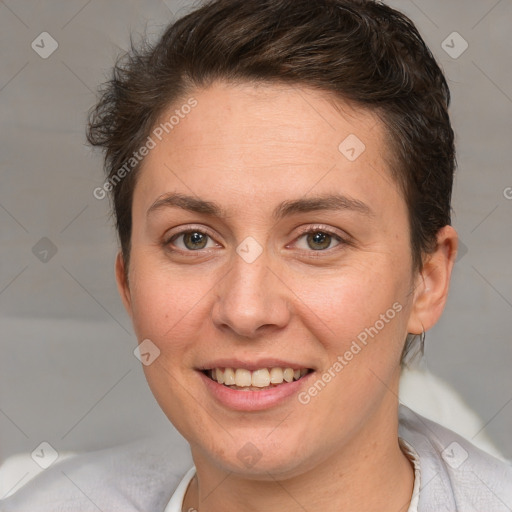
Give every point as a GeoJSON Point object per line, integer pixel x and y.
{"type": "Point", "coordinates": [411, 454]}
{"type": "Point", "coordinates": [176, 502]}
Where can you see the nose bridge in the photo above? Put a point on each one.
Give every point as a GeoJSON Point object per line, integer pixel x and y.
{"type": "Point", "coordinates": [250, 296]}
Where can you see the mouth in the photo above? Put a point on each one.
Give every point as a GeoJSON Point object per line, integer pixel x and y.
{"type": "Point", "coordinates": [242, 379]}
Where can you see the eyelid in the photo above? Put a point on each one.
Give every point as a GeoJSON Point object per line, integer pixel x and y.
{"type": "Point", "coordinates": [187, 228]}
{"type": "Point", "coordinates": [342, 235]}
{"type": "Point", "coordinates": [321, 227]}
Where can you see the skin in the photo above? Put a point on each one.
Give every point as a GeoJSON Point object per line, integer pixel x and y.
{"type": "Point", "coordinates": [249, 148]}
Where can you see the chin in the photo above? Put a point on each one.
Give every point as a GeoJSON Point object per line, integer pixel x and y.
{"type": "Point", "coordinates": [261, 459]}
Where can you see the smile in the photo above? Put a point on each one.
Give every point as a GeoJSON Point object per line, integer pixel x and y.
{"type": "Point", "coordinates": [243, 379]}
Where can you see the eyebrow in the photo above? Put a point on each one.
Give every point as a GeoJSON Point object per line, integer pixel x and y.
{"type": "Point", "coordinates": [332, 202]}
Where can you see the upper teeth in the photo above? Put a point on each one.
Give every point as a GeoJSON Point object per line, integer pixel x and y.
{"type": "Point", "coordinates": [258, 378]}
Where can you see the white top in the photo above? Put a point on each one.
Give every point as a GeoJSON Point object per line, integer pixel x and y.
{"type": "Point", "coordinates": [176, 502]}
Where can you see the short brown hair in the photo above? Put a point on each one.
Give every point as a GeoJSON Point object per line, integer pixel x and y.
{"type": "Point", "coordinates": [362, 51]}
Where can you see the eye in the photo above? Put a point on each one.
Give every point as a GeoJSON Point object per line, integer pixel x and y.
{"type": "Point", "coordinates": [191, 240]}
{"type": "Point", "coordinates": [317, 239]}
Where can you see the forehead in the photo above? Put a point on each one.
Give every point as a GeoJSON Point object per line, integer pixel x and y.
{"type": "Point", "coordinates": [245, 115]}
{"type": "Point", "coordinates": [288, 139]}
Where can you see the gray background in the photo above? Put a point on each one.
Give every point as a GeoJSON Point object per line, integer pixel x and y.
{"type": "Point", "coordinates": [67, 370]}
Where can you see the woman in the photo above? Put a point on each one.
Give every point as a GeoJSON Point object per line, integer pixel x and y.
{"type": "Point", "coordinates": [281, 173]}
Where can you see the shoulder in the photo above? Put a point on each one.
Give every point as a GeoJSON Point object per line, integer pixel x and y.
{"type": "Point", "coordinates": [141, 475]}
{"type": "Point", "coordinates": [455, 474]}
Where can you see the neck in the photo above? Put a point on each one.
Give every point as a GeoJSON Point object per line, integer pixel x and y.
{"type": "Point", "coordinates": [371, 474]}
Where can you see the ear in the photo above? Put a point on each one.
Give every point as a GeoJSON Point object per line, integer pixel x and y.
{"type": "Point", "coordinates": [432, 283]}
{"type": "Point", "coordinates": [122, 283]}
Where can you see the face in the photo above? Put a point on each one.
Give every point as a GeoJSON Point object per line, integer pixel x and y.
{"type": "Point", "coordinates": [265, 238]}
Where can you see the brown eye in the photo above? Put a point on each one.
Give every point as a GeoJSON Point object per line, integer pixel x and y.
{"type": "Point", "coordinates": [318, 240]}
{"type": "Point", "coordinates": [191, 240]}
{"type": "Point", "coordinates": [196, 240]}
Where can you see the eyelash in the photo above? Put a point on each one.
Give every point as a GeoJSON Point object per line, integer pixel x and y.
{"type": "Point", "coordinates": [310, 230]}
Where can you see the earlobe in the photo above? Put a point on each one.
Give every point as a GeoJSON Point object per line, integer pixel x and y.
{"type": "Point", "coordinates": [122, 282]}
{"type": "Point", "coordinates": [432, 284]}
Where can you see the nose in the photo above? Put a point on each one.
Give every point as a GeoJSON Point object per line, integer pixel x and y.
{"type": "Point", "coordinates": [251, 300]}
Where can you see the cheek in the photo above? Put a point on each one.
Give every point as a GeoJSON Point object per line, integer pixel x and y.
{"type": "Point", "coordinates": [360, 321]}
{"type": "Point", "coordinates": [343, 304]}
{"type": "Point", "coordinates": [163, 298]}
{"type": "Point", "coordinates": [165, 310]}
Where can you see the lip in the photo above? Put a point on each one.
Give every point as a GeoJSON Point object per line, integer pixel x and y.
{"type": "Point", "coordinates": [252, 365]}
{"type": "Point", "coordinates": [253, 400]}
